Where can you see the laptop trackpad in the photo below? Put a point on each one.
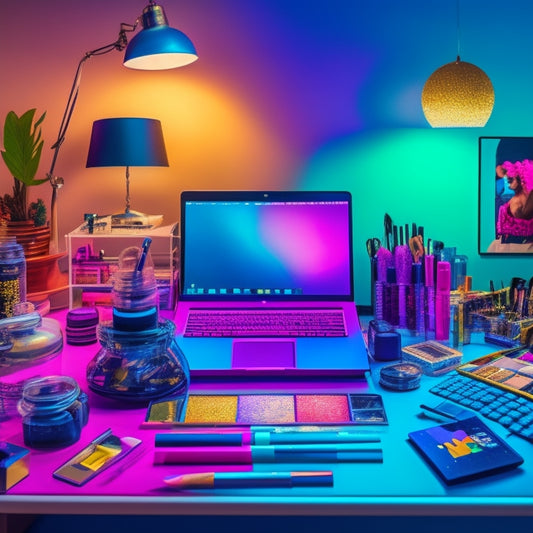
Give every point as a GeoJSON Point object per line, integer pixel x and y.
{"type": "Point", "coordinates": [263, 354]}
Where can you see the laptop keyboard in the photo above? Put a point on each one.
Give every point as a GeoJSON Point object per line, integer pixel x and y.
{"type": "Point", "coordinates": [512, 411]}
{"type": "Point", "coordinates": [266, 323]}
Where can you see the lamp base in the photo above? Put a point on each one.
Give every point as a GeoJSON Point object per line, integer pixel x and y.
{"type": "Point", "coordinates": [135, 220]}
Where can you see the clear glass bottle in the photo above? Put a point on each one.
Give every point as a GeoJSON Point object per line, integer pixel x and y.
{"type": "Point", "coordinates": [54, 410]}
{"type": "Point", "coordinates": [12, 276]}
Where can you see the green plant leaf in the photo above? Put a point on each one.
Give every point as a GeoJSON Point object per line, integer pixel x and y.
{"type": "Point", "coordinates": [23, 146]}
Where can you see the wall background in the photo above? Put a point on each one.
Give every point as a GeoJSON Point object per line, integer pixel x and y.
{"type": "Point", "coordinates": [286, 94]}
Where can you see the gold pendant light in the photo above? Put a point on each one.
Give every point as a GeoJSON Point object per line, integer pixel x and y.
{"type": "Point", "coordinates": [458, 94]}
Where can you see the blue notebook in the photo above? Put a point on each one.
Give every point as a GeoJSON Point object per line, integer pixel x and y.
{"type": "Point", "coordinates": [464, 450]}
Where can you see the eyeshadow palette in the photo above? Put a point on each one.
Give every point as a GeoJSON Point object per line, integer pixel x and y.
{"type": "Point", "coordinates": [511, 370]}
{"type": "Point", "coordinates": [268, 409]}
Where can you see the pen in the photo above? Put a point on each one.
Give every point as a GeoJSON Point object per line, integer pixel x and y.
{"type": "Point", "coordinates": [282, 453]}
{"type": "Point", "coordinates": [216, 480]}
{"type": "Point", "coordinates": [144, 252]}
{"type": "Point", "coordinates": [260, 438]}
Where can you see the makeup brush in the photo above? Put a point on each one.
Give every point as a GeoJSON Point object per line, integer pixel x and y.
{"type": "Point", "coordinates": [387, 226]}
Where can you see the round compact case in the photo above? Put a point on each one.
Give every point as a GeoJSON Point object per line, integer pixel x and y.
{"type": "Point", "coordinates": [81, 326]}
{"type": "Point", "coordinates": [401, 376]}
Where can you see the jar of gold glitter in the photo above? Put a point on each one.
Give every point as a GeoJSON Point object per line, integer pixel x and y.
{"type": "Point", "coordinates": [12, 276]}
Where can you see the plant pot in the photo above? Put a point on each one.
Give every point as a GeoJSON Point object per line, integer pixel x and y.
{"type": "Point", "coordinates": [35, 240]}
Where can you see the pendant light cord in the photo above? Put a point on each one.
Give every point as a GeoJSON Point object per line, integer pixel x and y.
{"type": "Point", "coordinates": [458, 32]}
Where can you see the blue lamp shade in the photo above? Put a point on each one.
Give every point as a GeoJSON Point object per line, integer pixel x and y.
{"type": "Point", "coordinates": [127, 142]}
{"type": "Point", "coordinates": [158, 46]}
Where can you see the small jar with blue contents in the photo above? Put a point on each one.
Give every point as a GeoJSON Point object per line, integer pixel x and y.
{"type": "Point", "coordinates": [54, 410]}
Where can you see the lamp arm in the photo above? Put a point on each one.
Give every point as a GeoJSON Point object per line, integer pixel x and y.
{"type": "Point", "coordinates": [55, 181]}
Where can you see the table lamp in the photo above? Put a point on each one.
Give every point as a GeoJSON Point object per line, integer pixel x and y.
{"type": "Point", "coordinates": [127, 142]}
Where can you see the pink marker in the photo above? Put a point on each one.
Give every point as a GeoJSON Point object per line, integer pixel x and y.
{"type": "Point", "coordinates": [442, 301]}
{"type": "Point", "coordinates": [283, 453]}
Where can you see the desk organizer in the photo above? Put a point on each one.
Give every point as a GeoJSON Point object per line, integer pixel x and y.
{"type": "Point", "coordinates": [504, 328]}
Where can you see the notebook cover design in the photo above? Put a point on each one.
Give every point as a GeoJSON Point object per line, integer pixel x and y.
{"type": "Point", "coordinates": [464, 450]}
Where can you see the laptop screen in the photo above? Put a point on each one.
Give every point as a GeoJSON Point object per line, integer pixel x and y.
{"type": "Point", "coordinates": [266, 245]}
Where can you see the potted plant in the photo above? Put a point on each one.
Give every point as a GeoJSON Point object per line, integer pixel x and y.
{"type": "Point", "coordinates": [22, 154]}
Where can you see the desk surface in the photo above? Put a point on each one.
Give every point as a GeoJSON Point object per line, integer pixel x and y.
{"type": "Point", "coordinates": [402, 485]}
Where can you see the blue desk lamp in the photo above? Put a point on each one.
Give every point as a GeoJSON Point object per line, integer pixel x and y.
{"type": "Point", "coordinates": [127, 142]}
{"type": "Point", "coordinates": [156, 47]}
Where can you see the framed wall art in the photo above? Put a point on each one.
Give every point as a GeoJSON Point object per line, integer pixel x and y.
{"type": "Point", "coordinates": [505, 195]}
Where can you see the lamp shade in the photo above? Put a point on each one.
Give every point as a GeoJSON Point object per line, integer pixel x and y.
{"type": "Point", "coordinates": [458, 94]}
{"type": "Point", "coordinates": [125, 142]}
{"type": "Point", "coordinates": [158, 46]}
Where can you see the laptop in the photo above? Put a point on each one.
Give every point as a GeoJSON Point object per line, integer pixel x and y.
{"type": "Point", "coordinates": [282, 264]}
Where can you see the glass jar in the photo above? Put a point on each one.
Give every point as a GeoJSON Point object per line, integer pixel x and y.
{"type": "Point", "coordinates": [30, 346]}
{"type": "Point", "coordinates": [138, 365]}
{"type": "Point", "coordinates": [135, 296]}
{"type": "Point", "coordinates": [12, 276]}
{"type": "Point", "coordinates": [54, 410]}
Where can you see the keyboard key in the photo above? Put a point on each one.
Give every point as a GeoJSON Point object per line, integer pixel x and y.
{"type": "Point", "coordinates": [506, 421]}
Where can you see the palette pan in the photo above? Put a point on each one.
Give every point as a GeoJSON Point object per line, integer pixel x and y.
{"type": "Point", "coordinates": [268, 409]}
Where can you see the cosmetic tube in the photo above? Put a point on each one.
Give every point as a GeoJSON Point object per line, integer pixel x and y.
{"type": "Point", "coordinates": [429, 305]}
{"type": "Point", "coordinates": [415, 302]}
{"type": "Point", "coordinates": [391, 299]}
{"type": "Point", "coordinates": [403, 261]}
{"type": "Point", "coordinates": [442, 301]}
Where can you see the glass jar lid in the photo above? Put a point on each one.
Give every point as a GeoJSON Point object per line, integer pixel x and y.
{"type": "Point", "coordinates": [47, 395]}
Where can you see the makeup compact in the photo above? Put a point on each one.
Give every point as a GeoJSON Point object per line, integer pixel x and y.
{"type": "Point", "coordinates": [401, 376]}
